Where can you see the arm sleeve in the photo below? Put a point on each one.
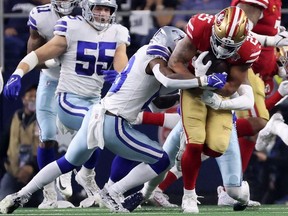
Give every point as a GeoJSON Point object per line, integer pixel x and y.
{"type": "Point", "coordinates": [243, 102]}
{"type": "Point", "coordinates": [173, 83]}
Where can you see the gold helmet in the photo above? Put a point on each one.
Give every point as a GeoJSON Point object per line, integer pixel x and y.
{"type": "Point", "coordinates": [282, 60]}
{"type": "Point", "coordinates": [228, 32]}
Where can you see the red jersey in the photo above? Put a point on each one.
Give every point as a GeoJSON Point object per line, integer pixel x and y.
{"type": "Point", "coordinates": [199, 30]}
{"type": "Point", "coordinates": [268, 24]}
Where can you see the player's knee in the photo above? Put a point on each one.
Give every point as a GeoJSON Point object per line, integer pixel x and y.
{"type": "Point", "coordinates": [162, 164]}
{"type": "Point", "coordinates": [48, 144]}
{"type": "Point", "coordinates": [210, 152]}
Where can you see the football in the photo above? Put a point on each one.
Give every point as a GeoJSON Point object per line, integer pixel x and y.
{"type": "Point", "coordinates": [217, 66]}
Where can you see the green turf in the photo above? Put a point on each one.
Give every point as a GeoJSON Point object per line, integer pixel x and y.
{"type": "Point", "coordinates": [264, 210]}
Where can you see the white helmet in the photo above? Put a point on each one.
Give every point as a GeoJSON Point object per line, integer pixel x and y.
{"type": "Point", "coordinates": [103, 22]}
{"type": "Point", "coordinates": [168, 36]}
{"type": "Point", "coordinates": [64, 7]}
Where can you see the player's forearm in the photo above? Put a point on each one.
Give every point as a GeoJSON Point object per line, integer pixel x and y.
{"type": "Point", "coordinates": [245, 100]}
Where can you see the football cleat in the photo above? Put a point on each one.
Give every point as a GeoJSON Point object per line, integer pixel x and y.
{"type": "Point", "coordinates": [88, 183]}
{"type": "Point", "coordinates": [160, 199]}
{"type": "Point", "coordinates": [63, 184]}
{"type": "Point", "coordinates": [49, 197]}
{"type": "Point", "coordinates": [133, 201]}
{"type": "Point", "coordinates": [112, 202]}
{"type": "Point", "coordinates": [11, 202]}
{"type": "Point", "coordinates": [265, 136]}
{"type": "Point", "coordinates": [190, 203]}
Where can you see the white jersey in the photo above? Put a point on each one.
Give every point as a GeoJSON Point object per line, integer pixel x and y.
{"type": "Point", "coordinates": [43, 19]}
{"type": "Point", "coordinates": [133, 88]}
{"type": "Point", "coordinates": [88, 52]}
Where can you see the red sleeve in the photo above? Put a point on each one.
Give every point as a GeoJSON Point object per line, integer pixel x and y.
{"type": "Point", "coordinates": [248, 53]}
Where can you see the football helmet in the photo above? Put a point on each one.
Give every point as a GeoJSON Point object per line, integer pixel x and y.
{"type": "Point", "coordinates": [282, 60]}
{"type": "Point", "coordinates": [64, 7]}
{"type": "Point", "coordinates": [228, 32]}
{"type": "Point", "coordinates": [98, 21]}
{"type": "Point", "coordinates": [168, 36]}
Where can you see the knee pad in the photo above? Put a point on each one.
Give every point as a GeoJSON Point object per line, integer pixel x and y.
{"type": "Point", "coordinates": [241, 194]}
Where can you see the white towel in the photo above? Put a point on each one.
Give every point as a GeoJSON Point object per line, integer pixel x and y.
{"type": "Point", "coordinates": [95, 127]}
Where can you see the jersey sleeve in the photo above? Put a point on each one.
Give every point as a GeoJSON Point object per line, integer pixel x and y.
{"type": "Point", "coordinates": [158, 51]}
{"type": "Point", "coordinates": [199, 30]}
{"type": "Point", "coordinates": [32, 21]}
{"type": "Point", "coordinates": [258, 3]}
{"type": "Point", "coordinates": [123, 35]}
{"type": "Point", "coordinates": [61, 27]}
{"type": "Point", "coordinates": [249, 51]}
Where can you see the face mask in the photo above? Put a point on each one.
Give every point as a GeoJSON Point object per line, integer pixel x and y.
{"type": "Point", "coordinates": [31, 106]}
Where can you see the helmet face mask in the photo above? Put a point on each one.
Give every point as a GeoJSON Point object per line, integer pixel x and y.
{"type": "Point", "coordinates": [91, 11]}
{"type": "Point", "coordinates": [64, 7]}
{"type": "Point", "coordinates": [228, 32]}
{"type": "Point", "coordinates": [282, 57]}
{"type": "Point", "coordinates": [168, 36]}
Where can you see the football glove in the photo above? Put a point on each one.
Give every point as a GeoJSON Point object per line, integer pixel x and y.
{"type": "Point", "coordinates": [217, 80]}
{"type": "Point", "coordinates": [283, 88]}
{"type": "Point", "coordinates": [200, 68]}
{"type": "Point", "coordinates": [211, 99]}
{"type": "Point", "coordinates": [109, 75]}
{"type": "Point", "coordinates": [12, 87]}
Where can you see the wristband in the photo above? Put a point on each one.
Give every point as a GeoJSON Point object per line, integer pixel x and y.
{"type": "Point", "coordinates": [31, 60]}
{"type": "Point", "coordinates": [19, 72]}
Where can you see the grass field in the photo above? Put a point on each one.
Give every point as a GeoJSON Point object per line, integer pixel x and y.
{"type": "Point", "coordinates": [265, 210]}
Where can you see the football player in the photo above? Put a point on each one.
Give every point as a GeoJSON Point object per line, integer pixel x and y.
{"type": "Point", "coordinates": [264, 22]}
{"type": "Point", "coordinates": [41, 22]}
{"type": "Point", "coordinates": [107, 124]}
{"type": "Point", "coordinates": [207, 130]}
{"type": "Point", "coordinates": [85, 45]}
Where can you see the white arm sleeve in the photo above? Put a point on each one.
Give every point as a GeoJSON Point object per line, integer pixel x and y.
{"type": "Point", "coordinates": [180, 84]}
{"type": "Point", "coordinates": [243, 102]}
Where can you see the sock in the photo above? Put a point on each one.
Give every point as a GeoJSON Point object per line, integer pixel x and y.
{"type": "Point", "coordinates": [246, 150]}
{"type": "Point", "coordinates": [244, 128]}
{"type": "Point", "coordinates": [170, 179]}
{"type": "Point", "coordinates": [190, 163]}
{"type": "Point", "coordinates": [189, 192]}
{"type": "Point", "coordinates": [85, 171]}
{"type": "Point", "coordinates": [153, 118]}
{"type": "Point", "coordinates": [120, 167]}
{"type": "Point", "coordinates": [92, 161]}
{"type": "Point", "coordinates": [137, 176]}
{"type": "Point", "coordinates": [45, 156]}
{"type": "Point", "coordinates": [64, 165]}
{"type": "Point", "coordinates": [46, 175]}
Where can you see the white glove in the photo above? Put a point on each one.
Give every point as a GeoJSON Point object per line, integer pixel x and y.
{"type": "Point", "coordinates": [200, 68]}
{"type": "Point", "coordinates": [211, 99]}
{"type": "Point", "coordinates": [282, 72]}
{"type": "Point", "coordinates": [283, 88]}
{"type": "Point", "coordinates": [281, 39]}
{"type": "Point", "coordinates": [51, 63]}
